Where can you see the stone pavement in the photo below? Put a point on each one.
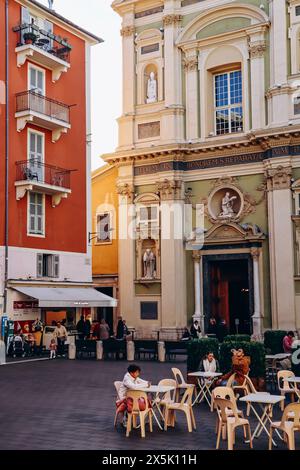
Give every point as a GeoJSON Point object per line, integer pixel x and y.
{"type": "Point", "coordinates": [70, 405]}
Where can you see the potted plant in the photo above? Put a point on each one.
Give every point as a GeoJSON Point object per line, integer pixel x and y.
{"type": "Point", "coordinates": [30, 38]}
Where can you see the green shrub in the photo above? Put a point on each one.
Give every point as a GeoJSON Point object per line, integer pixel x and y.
{"type": "Point", "coordinates": [255, 350]}
{"type": "Point", "coordinates": [197, 349]}
{"type": "Point", "coordinates": [237, 338]}
{"type": "Point", "coordinates": [273, 340]}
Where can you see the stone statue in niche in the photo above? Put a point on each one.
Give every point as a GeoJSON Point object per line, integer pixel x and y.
{"type": "Point", "coordinates": [227, 206]}
{"type": "Point", "coordinates": [149, 262]}
{"type": "Point", "coordinates": [152, 89]}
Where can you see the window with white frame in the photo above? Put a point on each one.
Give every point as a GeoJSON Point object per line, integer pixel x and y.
{"type": "Point", "coordinates": [104, 227]}
{"type": "Point", "coordinates": [36, 154]}
{"type": "Point", "coordinates": [47, 265]}
{"type": "Point", "coordinates": [36, 214]}
{"type": "Point", "coordinates": [148, 215]}
{"type": "Point", "coordinates": [36, 79]}
{"type": "Point", "coordinates": [228, 95]}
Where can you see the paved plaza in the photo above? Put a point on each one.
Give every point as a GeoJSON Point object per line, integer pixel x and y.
{"type": "Point", "coordinates": [70, 405]}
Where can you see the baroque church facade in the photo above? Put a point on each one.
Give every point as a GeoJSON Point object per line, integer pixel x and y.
{"type": "Point", "coordinates": [211, 119]}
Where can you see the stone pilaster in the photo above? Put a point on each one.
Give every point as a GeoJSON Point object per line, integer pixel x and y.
{"type": "Point", "coordinates": [192, 94]}
{"type": "Point", "coordinates": [281, 246]}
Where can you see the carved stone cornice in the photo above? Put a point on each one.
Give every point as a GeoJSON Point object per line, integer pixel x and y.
{"type": "Point", "coordinates": [279, 178]}
{"type": "Point", "coordinates": [170, 189]}
{"type": "Point", "coordinates": [190, 63]}
{"type": "Point", "coordinates": [127, 31]}
{"type": "Point", "coordinates": [170, 20]}
{"type": "Point", "coordinates": [126, 190]}
{"type": "Point", "coordinates": [257, 49]}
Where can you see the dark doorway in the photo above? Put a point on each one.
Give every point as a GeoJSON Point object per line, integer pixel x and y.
{"type": "Point", "coordinates": [106, 312]}
{"type": "Point", "coordinates": [229, 294]}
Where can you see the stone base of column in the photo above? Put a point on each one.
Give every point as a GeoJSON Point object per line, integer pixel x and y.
{"type": "Point", "coordinates": [257, 326]}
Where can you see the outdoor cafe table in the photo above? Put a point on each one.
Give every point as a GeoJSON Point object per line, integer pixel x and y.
{"type": "Point", "coordinates": [205, 382]}
{"type": "Point", "coordinates": [294, 381]}
{"type": "Point", "coordinates": [154, 391]}
{"type": "Point", "coordinates": [266, 402]}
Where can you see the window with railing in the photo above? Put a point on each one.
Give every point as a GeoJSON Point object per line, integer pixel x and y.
{"type": "Point", "coordinates": [228, 102]}
{"type": "Point", "coordinates": [35, 102]}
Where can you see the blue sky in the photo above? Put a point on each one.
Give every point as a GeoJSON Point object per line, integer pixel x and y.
{"type": "Point", "coordinates": [98, 17]}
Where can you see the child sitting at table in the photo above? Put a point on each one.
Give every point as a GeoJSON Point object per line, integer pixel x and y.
{"type": "Point", "coordinates": [131, 381]}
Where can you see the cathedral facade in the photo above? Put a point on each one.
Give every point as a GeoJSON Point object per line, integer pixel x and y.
{"type": "Point", "coordinates": [210, 132]}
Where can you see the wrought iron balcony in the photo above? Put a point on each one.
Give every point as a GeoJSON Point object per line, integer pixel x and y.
{"type": "Point", "coordinates": [42, 47]}
{"type": "Point", "coordinates": [33, 175]}
{"type": "Point", "coordinates": [42, 111]}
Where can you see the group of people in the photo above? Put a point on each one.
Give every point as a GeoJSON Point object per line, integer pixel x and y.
{"type": "Point", "coordinates": [101, 330]}
{"type": "Point", "coordinates": [217, 328]}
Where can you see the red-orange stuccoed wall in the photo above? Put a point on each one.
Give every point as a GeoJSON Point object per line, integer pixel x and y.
{"type": "Point", "coordinates": [65, 224]}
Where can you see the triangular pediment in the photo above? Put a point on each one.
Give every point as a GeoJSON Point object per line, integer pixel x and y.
{"type": "Point", "coordinates": [225, 232]}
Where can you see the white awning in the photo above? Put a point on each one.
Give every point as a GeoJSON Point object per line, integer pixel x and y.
{"type": "Point", "coordinates": [57, 297]}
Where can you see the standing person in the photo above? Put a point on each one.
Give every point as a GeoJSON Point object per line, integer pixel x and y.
{"type": "Point", "coordinates": [288, 342]}
{"type": "Point", "coordinates": [120, 329]}
{"type": "Point", "coordinates": [60, 333]}
{"type": "Point", "coordinates": [53, 348]}
{"type": "Point", "coordinates": [221, 330]}
{"type": "Point", "coordinates": [125, 329]}
{"type": "Point", "coordinates": [87, 328]}
{"type": "Point", "coordinates": [212, 327]}
{"type": "Point", "coordinates": [195, 330]}
{"type": "Point", "coordinates": [104, 330]}
{"type": "Point", "coordinates": [80, 328]}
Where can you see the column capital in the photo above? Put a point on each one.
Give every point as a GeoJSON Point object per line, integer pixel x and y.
{"type": "Point", "coordinates": [190, 63]}
{"type": "Point", "coordinates": [127, 31]}
{"type": "Point", "coordinates": [170, 189]}
{"type": "Point", "coordinates": [279, 178]}
{"type": "Point", "coordinates": [257, 49]}
{"type": "Point", "coordinates": [173, 19]}
{"type": "Point", "coordinates": [255, 253]}
{"type": "Point", "coordinates": [126, 190]}
{"type": "Point", "coordinates": [197, 256]}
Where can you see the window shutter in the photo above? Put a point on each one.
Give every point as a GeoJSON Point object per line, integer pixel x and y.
{"type": "Point", "coordinates": [39, 265]}
{"type": "Point", "coordinates": [25, 19]}
{"type": "Point", "coordinates": [56, 266]}
{"type": "Point", "coordinates": [48, 26]}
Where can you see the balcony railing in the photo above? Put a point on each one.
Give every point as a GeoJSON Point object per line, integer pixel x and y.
{"type": "Point", "coordinates": [45, 40]}
{"type": "Point", "coordinates": [35, 172]}
{"type": "Point", "coordinates": [34, 102]}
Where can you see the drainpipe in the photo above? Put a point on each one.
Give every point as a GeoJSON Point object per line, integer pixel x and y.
{"type": "Point", "coordinates": [6, 153]}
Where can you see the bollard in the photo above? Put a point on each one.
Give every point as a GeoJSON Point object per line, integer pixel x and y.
{"type": "Point", "coordinates": [161, 351]}
{"type": "Point", "coordinates": [2, 353]}
{"type": "Point", "coordinates": [99, 350]}
{"type": "Point", "coordinates": [130, 351]}
{"type": "Point", "coordinates": [72, 351]}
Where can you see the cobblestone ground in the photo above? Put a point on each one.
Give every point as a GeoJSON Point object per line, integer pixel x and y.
{"type": "Point", "coordinates": [69, 405]}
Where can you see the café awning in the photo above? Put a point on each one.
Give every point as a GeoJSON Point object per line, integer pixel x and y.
{"type": "Point", "coordinates": [62, 297]}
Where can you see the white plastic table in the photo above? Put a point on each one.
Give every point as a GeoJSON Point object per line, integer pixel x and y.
{"type": "Point", "coordinates": [157, 389]}
{"type": "Point", "coordinates": [205, 382]}
{"type": "Point", "coordinates": [294, 381]}
{"type": "Point", "coordinates": [266, 403]}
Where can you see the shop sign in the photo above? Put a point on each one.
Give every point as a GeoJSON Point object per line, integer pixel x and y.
{"type": "Point", "coordinates": [26, 308]}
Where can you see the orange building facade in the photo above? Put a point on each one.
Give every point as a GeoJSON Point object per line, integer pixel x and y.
{"type": "Point", "coordinates": [44, 215]}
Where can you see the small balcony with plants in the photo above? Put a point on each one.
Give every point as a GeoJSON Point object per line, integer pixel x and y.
{"type": "Point", "coordinates": [43, 112]}
{"type": "Point", "coordinates": [43, 48]}
{"type": "Point", "coordinates": [37, 176]}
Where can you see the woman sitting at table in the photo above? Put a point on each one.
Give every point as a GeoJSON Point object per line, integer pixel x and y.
{"type": "Point", "coordinates": [209, 363]}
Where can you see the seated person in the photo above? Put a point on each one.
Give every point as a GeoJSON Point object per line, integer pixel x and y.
{"type": "Point", "coordinates": [288, 342]}
{"type": "Point", "coordinates": [185, 335]}
{"type": "Point", "coordinates": [209, 363]}
{"type": "Point", "coordinates": [131, 381]}
{"type": "Point", "coordinates": [240, 367]}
